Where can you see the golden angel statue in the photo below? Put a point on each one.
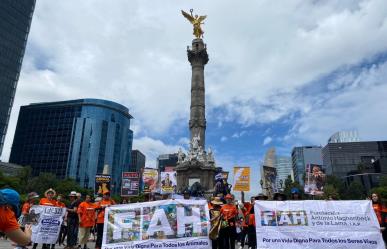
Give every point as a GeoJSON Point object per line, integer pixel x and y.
{"type": "Point", "coordinates": [196, 22]}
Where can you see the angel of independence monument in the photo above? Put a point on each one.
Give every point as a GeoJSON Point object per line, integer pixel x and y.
{"type": "Point", "coordinates": [198, 165]}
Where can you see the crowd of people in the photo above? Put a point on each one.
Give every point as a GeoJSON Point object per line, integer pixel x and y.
{"type": "Point", "coordinates": [83, 217]}
{"type": "Point", "coordinates": [232, 221]}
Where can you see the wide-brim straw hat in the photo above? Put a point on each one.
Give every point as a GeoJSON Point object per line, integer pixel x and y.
{"type": "Point", "coordinates": [50, 190]}
{"type": "Point", "coordinates": [217, 201]}
{"type": "Point", "coordinates": [284, 197]}
{"type": "Point", "coordinates": [32, 195]}
{"type": "Point", "coordinates": [261, 196]}
{"type": "Point", "coordinates": [73, 193]}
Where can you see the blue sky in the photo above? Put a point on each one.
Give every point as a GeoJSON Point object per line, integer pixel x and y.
{"type": "Point", "coordinates": [280, 74]}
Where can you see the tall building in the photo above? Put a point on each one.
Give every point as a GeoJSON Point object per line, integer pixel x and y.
{"type": "Point", "coordinates": [138, 161]}
{"type": "Point", "coordinates": [15, 21]}
{"type": "Point", "coordinates": [167, 160]}
{"type": "Point", "coordinates": [344, 137]}
{"type": "Point", "coordinates": [270, 157]}
{"type": "Point", "coordinates": [301, 157]}
{"type": "Point", "coordinates": [284, 168]}
{"type": "Point", "coordinates": [74, 138]}
{"type": "Point", "coordinates": [340, 159]}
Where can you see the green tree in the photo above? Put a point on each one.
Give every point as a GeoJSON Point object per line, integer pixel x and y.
{"type": "Point", "coordinates": [355, 191]}
{"type": "Point", "coordinates": [289, 184]}
{"type": "Point", "coordinates": [330, 191]}
{"type": "Point", "coordinates": [41, 183]}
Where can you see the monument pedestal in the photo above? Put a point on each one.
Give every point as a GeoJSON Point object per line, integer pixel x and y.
{"type": "Point", "coordinates": [189, 172]}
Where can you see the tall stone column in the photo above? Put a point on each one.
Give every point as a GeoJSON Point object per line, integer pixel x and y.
{"type": "Point", "coordinates": [198, 57]}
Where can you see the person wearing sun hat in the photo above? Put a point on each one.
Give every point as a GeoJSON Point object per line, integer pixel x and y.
{"type": "Point", "coordinates": [49, 198]}
{"type": "Point", "coordinates": [32, 199]}
{"type": "Point", "coordinates": [72, 220]}
{"type": "Point", "coordinates": [215, 217]}
{"type": "Point", "coordinates": [227, 233]}
{"type": "Point", "coordinates": [279, 196]}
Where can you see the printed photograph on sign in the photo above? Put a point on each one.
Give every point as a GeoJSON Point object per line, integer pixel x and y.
{"type": "Point", "coordinates": [150, 179]}
{"type": "Point", "coordinates": [314, 180]}
{"type": "Point", "coordinates": [102, 184]}
{"type": "Point", "coordinates": [168, 182]}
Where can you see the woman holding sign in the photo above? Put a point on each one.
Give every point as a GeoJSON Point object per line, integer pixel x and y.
{"type": "Point", "coordinates": [227, 233]}
{"type": "Point", "coordinates": [86, 214]}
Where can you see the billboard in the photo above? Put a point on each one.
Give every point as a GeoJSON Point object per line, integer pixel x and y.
{"type": "Point", "coordinates": [150, 178]}
{"type": "Point", "coordinates": [314, 179]}
{"type": "Point", "coordinates": [269, 179]}
{"type": "Point", "coordinates": [130, 184]}
{"type": "Point", "coordinates": [102, 184]}
{"type": "Point", "coordinates": [168, 182]}
{"type": "Point", "coordinates": [241, 178]}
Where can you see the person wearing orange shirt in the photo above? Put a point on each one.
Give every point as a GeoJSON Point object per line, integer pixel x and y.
{"type": "Point", "coordinates": [227, 233]}
{"type": "Point", "coordinates": [47, 201]}
{"type": "Point", "coordinates": [63, 227]}
{"type": "Point", "coordinates": [86, 214]}
{"type": "Point", "coordinates": [32, 198]}
{"type": "Point", "coordinates": [9, 209]}
{"type": "Point", "coordinates": [380, 211]}
{"type": "Point", "coordinates": [251, 230]}
{"type": "Point", "coordinates": [105, 202]}
{"type": "Point", "coordinates": [49, 198]}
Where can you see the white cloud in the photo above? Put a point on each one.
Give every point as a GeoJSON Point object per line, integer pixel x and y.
{"type": "Point", "coordinates": [260, 57]}
{"type": "Point", "coordinates": [267, 140]}
{"type": "Point", "coordinates": [152, 148]}
{"type": "Point", "coordinates": [223, 139]}
{"type": "Point", "coordinates": [239, 134]}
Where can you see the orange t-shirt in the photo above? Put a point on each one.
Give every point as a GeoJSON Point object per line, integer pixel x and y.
{"type": "Point", "coordinates": [87, 212]}
{"type": "Point", "coordinates": [8, 220]}
{"type": "Point", "coordinates": [229, 212]}
{"type": "Point", "coordinates": [60, 204]}
{"type": "Point", "coordinates": [101, 214]}
{"type": "Point", "coordinates": [26, 208]}
{"type": "Point", "coordinates": [47, 202]}
{"type": "Point", "coordinates": [251, 219]}
{"type": "Point", "coordinates": [378, 211]}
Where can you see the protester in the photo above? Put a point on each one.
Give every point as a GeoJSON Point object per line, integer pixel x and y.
{"type": "Point", "coordinates": [279, 196]}
{"type": "Point", "coordinates": [186, 194]}
{"type": "Point", "coordinates": [296, 194]}
{"type": "Point", "coordinates": [9, 209]}
{"type": "Point", "coordinates": [251, 230]}
{"type": "Point", "coordinates": [48, 200]}
{"type": "Point", "coordinates": [86, 215]}
{"type": "Point", "coordinates": [227, 233]}
{"type": "Point", "coordinates": [215, 216]}
{"type": "Point", "coordinates": [32, 199]}
{"type": "Point", "coordinates": [72, 221]}
{"type": "Point", "coordinates": [63, 228]}
{"type": "Point", "coordinates": [105, 202]}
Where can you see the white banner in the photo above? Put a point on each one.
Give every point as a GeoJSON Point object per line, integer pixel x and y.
{"type": "Point", "coordinates": [317, 224]}
{"type": "Point", "coordinates": [46, 222]}
{"type": "Point", "coordinates": [158, 224]}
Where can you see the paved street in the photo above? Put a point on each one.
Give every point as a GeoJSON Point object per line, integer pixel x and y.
{"type": "Point", "coordinates": [6, 244]}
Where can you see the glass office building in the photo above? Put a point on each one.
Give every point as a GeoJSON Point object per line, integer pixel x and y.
{"type": "Point", "coordinates": [15, 21]}
{"type": "Point", "coordinates": [343, 158]}
{"type": "Point", "coordinates": [74, 139]}
{"type": "Point", "coordinates": [166, 160]}
{"type": "Point", "coordinates": [284, 167]}
{"type": "Point", "coordinates": [301, 157]}
{"type": "Point", "coordinates": [138, 161]}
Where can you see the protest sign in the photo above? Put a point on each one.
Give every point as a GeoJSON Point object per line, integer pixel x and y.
{"type": "Point", "coordinates": [130, 184]}
{"type": "Point", "coordinates": [102, 184]}
{"type": "Point", "coordinates": [269, 179]}
{"type": "Point", "coordinates": [150, 179]}
{"type": "Point", "coordinates": [314, 180]}
{"type": "Point", "coordinates": [168, 182]}
{"type": "Point", "coordinates": [46, 222]}
{"type": "Point", "coordinates": [158, 224]}
{"type": "Point", "coordinates": [317, 224]}
{"type": "Point", "coordinates": [241, 178]}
